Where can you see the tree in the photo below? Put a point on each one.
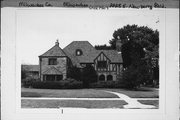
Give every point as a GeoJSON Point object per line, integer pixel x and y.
{"type": "Point", "coordinates": [24, 70]}
{"type": "Point", "coordinates": [139, 46]}
{"type": "Point", "coordinates": [89, 75]}
{"type": "Point", "coordinates": [142, 35]}
{"type": "Point", "coordinates": [132, 53]}
{"type": "Point", "coordinates": [74, 72]}
{"type": "Point", "coordinates": [103, 47]}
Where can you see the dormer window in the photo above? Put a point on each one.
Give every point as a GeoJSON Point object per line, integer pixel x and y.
{"type": "Point", "coordinates": [78, 52]}
{"type": "Point", "coordinates": [52, 61]}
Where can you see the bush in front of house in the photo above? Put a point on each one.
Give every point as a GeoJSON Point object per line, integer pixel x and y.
{"type": "Point", "coordinates": [107, 84]}
{"type": "Point", "coordinates": [64, 84]}
{"type": "Point", "coordinates": [134, 77]}
{"type": "Point", "coordinates": [89, 75]}
{"type": "Point", "coordinates": [27, 82]}
{"type": "Point", "coordinates": [74, 73]}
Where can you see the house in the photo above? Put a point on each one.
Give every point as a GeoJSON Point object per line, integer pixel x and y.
{"type": "Point", "coordinates": [54, 63]}
{"type": "Point", "coordinates": [32, 71]}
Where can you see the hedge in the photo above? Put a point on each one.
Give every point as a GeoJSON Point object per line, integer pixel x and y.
{"type": "Point", "coordinates": [107, 84]}
{"type": "Point", "coordinates": [64, 84]}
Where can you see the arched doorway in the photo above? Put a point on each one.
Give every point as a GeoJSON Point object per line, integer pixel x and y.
{"type": "Point", "coordinates": [109, 78]}
{"type": "Point", "coordinates": [102, 78]}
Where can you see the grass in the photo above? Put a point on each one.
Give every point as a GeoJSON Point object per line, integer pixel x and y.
{"type": "Point", "coordinates": [76, 93]}
{"type": "Point", "coordinates": [141, 93]}
{"type": "Point", "coordinates": [88, 93]}
{"type": "Point", "coordinates": [150, 102]}
{"type": "Point", "coordinates": [84, 93]}
{"type": "Point", "coordinates": [72, 103]}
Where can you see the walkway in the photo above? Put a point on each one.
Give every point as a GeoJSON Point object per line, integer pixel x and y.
{"type": "Point", "coordinates": [132, 102]}
{"type": "Point", "coordinates": [50, 98]}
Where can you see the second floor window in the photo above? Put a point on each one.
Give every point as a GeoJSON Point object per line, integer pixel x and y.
{"type": "Point", "coordinates": [52, 61]}
{"type": "Point", "coordinates": [102, 64]}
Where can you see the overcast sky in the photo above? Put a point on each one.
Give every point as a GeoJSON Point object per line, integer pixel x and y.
{"type": "Point", "coordinates": [37, 30]}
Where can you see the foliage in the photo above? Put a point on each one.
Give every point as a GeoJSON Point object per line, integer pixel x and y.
{"type": "Point", "coordinates": [140, 45]}
{"type": "Point", "coordinates": [103, 47]}
{"type": "Point", "coordinates": [136, 75]}
{"type": "Point", "coordinates": [132, 53]}
{"type": "Point", "coordinates": [89, 75]}
{"type": "Point", "coordinates": [74, 73]}
{"type": "Point", "coordinates": [23, 72]}
{"type": "Point", "coordinates": [28, 82]}
{"type": "Point", "coordinates": [64, 84]}
{"type": "Point", "coordinates": [107, 84]}
{"type": "Point", "coordinates": [142, 35]}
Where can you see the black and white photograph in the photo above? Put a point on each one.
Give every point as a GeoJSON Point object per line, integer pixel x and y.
{"type": "Point", "coordinates": [88, 59]}
{"type": "Point", "coordinates": [85, 60]}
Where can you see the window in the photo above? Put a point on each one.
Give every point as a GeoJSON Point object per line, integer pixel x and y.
{"type": "Point", "coordinates": [109, 78]}
{"type": "Point", "coordinates": [52, 77]}
{"type": "Point", "coordinates": [78, 52]}
{"type": "Point", "coordinates": [102, 64]}
{"type": "Point", "coordinates": [52, 61]}
{"type": "Point", "coordinates": [101, 78]}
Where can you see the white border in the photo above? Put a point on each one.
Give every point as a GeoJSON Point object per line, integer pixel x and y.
{"type": "Point", "coordinates": [168, 81]}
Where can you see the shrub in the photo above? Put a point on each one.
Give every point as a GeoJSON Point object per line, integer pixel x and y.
{"type": "Point", "coordinates": [28, 82]}
{"type": "Point", "coordinates": [64, 84]}
{"type": "Point", "coordinates": [74, 73]}
{"type": "Point", "coordinates": [89, 75]}
{"type": "Point", "coordinates": [133, 76]}
{"type": "Point", "coordinates": [107, 84]}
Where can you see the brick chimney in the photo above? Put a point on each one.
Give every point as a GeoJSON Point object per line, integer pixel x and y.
{"type": "Point", "coordinates": [57, 43]}
{"type": "Point", "coordinates": [118, 44]}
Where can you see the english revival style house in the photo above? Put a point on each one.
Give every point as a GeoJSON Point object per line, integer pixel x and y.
{"type": "Point", "coordinates": [54, 63]}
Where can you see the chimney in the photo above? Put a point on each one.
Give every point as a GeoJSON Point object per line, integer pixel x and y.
{"type": "Point", "coordinates": [118, 44]}
{"type": "Point", "coordinates": [57, 43]}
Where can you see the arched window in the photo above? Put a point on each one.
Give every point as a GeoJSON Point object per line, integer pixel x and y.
{"type": "Point", "coordinates": [79, 52]}
{"type": "Point", "coordinates": [109, 78]}
{"type": "Point", "coordinates": [102, 78]}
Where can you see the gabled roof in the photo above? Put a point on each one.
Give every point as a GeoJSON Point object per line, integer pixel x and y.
{"type": "Point", "coordinates": [52, 71]}
{"type": "Point", "coordinates": [113, 55]}
{"type": "Point", "coordinates": [31, 68]}
{"type": "Point", "coordinates": [54, 51]}
{"type": "Point", "coordinates": [89, 53]}
{"type": "Point", "coordinates": [73, 58]}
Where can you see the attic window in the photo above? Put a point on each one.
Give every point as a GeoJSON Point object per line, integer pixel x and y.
{"type": "Point", "coordinates": [78, 52]}
{"type": "Point", "coordinates": [52, 61]}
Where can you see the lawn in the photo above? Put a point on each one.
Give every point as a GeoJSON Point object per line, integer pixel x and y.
{"type": "Point", "coordinates": [150, 102]}
{"type": "Point", "coordinates": [141, 93]}
{"type": "Point", "coordinates": [67, 93]}
{"type": "Point", "coordinates": [88, 93]}
{"type": "Point", "coordinates": [84, 93]}
{"type": "Point", "coordinates": [72, 103]}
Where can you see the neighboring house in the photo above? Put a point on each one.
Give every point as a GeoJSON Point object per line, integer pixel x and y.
{"type": "Point", "coordinates": [54, 63]}
{"type": "Point", "coordinates": [32, 71]}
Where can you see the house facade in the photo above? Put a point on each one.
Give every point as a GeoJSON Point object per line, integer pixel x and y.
{"type": "Point", "coordinates": [54, 64]}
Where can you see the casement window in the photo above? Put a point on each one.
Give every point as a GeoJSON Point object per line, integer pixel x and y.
{"type": "Point", "coordinates": [102, 64]}
{"type": "Point", "coordinates": [52, 61]}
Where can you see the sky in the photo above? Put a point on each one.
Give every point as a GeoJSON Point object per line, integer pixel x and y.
{"type": "Point", "coordinates": [38, 29]}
